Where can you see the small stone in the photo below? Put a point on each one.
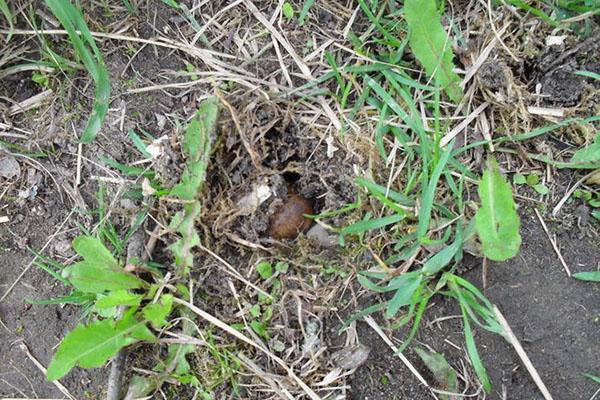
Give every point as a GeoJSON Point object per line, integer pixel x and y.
{"type": "Point", "coordinates": [320, 235]}
{"type": "Point", "coordinates": [9, 167]}
{"type": "Point", "coordinates": [351, 357]}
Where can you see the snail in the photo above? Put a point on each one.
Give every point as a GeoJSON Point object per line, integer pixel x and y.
{"type": "Point", "coordinates": [289, 220]}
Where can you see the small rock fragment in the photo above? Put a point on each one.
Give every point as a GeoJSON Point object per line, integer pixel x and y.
{"type": "Point", "coordinates": [259, 194]}
{"type": "Point", "coordinates": [320, 235]}
{"type": "Point", "coordinates": [288, 221]}
{"type": "Point", "coordinates": [351, 357]}
{"type": "Point", "coordinates": [9, 167]}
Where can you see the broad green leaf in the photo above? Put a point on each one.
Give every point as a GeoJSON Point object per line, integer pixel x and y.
{"type": "Point", "coordinates": [141, 386]}
{"type": "Point", "coordinates": [90, 346]}
{"type": "Point", "coordinates": [443, 257]}
{"type": "Point", "coordinates": [85, 48]}
{"type": "Point", "coordinates": [118, 298]}
{"type": "Point", "coordinates": [497, 221]}
{"type": "Point", "coordinates": [533, 179]}
{"type": "Point", "coordinates": [592, 276]}
{"type": "Point", "coordinates": [260, 328]}
{"type": "Point", "coordinates": [136, 329]}
{"type": "Point", "coordinates": [442, 371]}
{"type": "Point", "coordinates": [519, 179]}
{"type": "Point", "coordinates": [157, 312]}
{"type": "Point", "coordinates": [541, 189]}
{"type": "Point", "coordinates": [88, 277]}
{"type": "Point", "coordinates": [431, 45]}
{"type": "Point", "coordinates": [264, 269]}
{"type": "Point", "coordinates": [587, 157]}
{"type": "Point", "coordinates": [288, 10]}
{"type": "Point", "coordinates": [94, 252]}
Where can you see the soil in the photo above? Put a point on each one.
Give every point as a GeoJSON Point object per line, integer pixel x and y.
{"type": "Point", "coordinates": [557, 318]}
{"type": "Point", "coordinates": [40, 328]}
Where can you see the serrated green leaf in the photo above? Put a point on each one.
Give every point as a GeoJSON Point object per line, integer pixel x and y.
{"type": "Point", "coordinates": [94, 252]}
{"type": "Point", "coordinates": [197, 134]}
{"type": "Point", "coordinates": [442, 371]}
{"type": "Point", "coordinates": [431, 46]}
{"type": "Point", "coordinates": [157, 312]}
{"type": "Point", "coordinates": [90, 346]}
{"type": "Point", "coordinates": [497, 221]}
{"type": "Point", "coordinates": [592, 276]}
{"type": "Point", "coordinates": [89, 277]}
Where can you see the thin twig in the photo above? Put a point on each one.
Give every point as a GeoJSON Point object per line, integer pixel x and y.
{"type": "Point", "coordinates": [369, 320]}
{"type": "Point", "coordinates": [567, 195]}
{"type": "Point", "coordinates": [512, 339]}
{"type": "Point", "coordinates": [34, 259]}
{"type": "Point", "coordinates": [223, 326]}
{"type": "Point", "coordinates": [554, 246]}
{"type": "Point", "coordinates": [39, 365]}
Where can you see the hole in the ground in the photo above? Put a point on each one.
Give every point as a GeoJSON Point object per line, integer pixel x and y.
{"type": "Point", "coordinates": [291, 177]}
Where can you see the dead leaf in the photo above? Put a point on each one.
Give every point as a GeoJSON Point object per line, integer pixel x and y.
{"type": "Point", "coordinates": [594, 178]}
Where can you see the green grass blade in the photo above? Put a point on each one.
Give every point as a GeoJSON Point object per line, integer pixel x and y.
{"type": "Point", "coordinates": [534, 11]}
{"type": "Point", "coordinates": [474, 354]}
{"type": "Point", "coordinates": [431, 45]}
{"type": "Point", "coordinates": [413, 123]}
{"type": "Point", "coordinates": [304, 12]}
{"type": "Point", "coordinates": [403, 296]}
{"type": "Point", "coordinates": [424, 300]}
{"type": "Point", "coordinates": [443, 257]}
{"type": "Point", "coordinates": [592, 276]}
{"type": "Point", "coordinates": [363, 226]}
{"type": "Point", "coordinates": [375, 188]}
{"type": "Point", "coordinates": [428, 196]}
{"type": "Point", "coordinates": [592, 377]}
{"type": "Point", "coordinates": [85, 48]}
{"type": "Point", "coordinates": [588, 74]}
{"type": "Point", "coordinates": [9, 17]}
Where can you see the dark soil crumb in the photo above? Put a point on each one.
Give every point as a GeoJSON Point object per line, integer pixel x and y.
{"type": "Point", "coordinates": [562, 87]}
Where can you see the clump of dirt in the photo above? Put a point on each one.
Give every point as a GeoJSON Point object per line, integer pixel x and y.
{"type": "Point", "coordinates": [279, 156]}
{"type": "Point", "coordinates": [562, 87]}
